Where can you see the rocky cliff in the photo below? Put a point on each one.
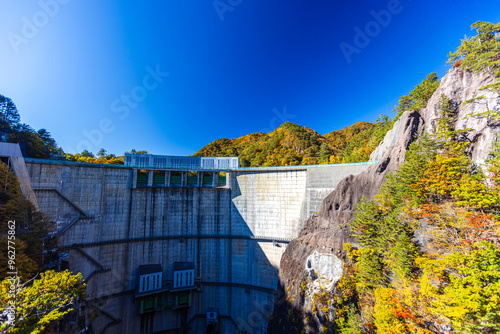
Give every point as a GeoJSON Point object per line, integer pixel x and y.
{"type": "Point", "coordinates": [311, 262]}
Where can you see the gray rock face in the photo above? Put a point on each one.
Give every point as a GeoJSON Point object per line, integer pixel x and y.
{"type": "Point", "coordinates": [390, 139]}
{"type": "Point", "coordinates": [460, 86]}
{"type": "Point", "coordinates": [328, 232]}
{"type": "Point", "coordinates": [330, 229]}
{"type": "Point", "coordinates": [324, 270]}
{"type": "Point", "coordinates": [338, 208]}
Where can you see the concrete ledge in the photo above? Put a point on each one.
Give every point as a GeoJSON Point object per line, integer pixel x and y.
{"type": "Point", "coordinates": [300, 167]}
{"type": "Point", "coordinates": [179, 237]}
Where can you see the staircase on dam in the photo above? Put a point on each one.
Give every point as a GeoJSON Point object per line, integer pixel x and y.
{"type": "Point", "coordinates": [130, 231]}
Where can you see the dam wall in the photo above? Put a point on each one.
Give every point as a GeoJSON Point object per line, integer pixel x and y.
{"type": "Point", "coordinates": [110, 224]}
{"type": "Point", "coordinates": [276, 201]}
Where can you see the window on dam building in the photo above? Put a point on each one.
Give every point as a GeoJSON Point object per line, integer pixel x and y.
{"type": "Point", "coordinates": [183, 274]}
{"type": "Point", "coordinates": [150, 277]}
{"type": "Point", "coordinates": [165, 161]}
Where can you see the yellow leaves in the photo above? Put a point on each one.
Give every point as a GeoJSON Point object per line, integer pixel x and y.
{"type": "Point", "coordinates": [400, 308]}
{"type": "Point", "coordinates": [352, 253]}
{"type": "Point", "coordinates": [462, 288]}
{"type": "Point", "coordinates": [475, 193]}
{"type": "Point", "coordinates": [46, 300]}
{"type": "Point", "coordinates": [334, 160]}
{"type": "Point", "coordinates": [442, 176]}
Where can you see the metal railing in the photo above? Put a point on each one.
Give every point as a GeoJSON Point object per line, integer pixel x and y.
{"type": "Point", "coordinates": [308, 166]}
{"type": "Point", "coordinates": [75, 163]}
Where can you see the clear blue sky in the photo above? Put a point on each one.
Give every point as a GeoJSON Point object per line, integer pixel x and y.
{"type": "Point", "coordinates": [224, 68]}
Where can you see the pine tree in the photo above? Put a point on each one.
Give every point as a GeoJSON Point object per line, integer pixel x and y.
{"type": "Point", "coordinates": [9, 116]}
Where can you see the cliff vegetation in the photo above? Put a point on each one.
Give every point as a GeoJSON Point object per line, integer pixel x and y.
{"type": "Point", "coordinates": [423, 255]}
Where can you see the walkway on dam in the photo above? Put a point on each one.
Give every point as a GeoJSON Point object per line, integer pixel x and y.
{"type": "Point", "coordinates": [178, 237]}
{"type": "Point", "coordinates": [262, 168]}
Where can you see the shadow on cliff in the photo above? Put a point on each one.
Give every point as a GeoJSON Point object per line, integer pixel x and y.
{"type": "Point", "coordinates": [329, 231]}
{"type": "Point", "coordinates": [293, 319]}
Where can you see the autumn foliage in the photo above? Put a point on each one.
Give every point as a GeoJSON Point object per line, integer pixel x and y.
{"type": "Point", "coordinates": [291, 145]}
{"type": "Point", "coordinates": [429, 260]}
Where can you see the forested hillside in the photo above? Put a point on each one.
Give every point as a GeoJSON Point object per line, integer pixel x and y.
{"type": "Point", "coordinates": [292, 144]}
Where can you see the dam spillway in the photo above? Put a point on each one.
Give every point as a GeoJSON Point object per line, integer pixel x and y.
{"type": "Point", "coordinates": [121, 225]}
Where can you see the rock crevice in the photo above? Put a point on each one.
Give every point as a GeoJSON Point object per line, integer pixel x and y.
{"type": "Point", "coordinates": [329, 230]}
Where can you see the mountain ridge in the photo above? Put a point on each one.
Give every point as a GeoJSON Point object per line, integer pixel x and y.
{"type": "Point", "coordinates": [292, 144]}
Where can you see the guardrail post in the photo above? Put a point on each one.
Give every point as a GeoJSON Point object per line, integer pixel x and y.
{"type": "Point", "coordinates": [167, 179]}
{"type": "Point", "coordinates": [215, 179]}
{"type": "Point", "coordinates": [150, 178]}
{"type": "Point", "coordinates": [183, 179]}
{"type": "Point", "coordinates": [200, 179]}
{"type": "Point", "coordinates": [134, 179]}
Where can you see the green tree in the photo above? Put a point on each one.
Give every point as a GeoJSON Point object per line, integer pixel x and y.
{"type": "Point", "coordinates": [9, 115]}
{"type": "Point", "coordinates": [50, 144]}
{"type": "Point", "coordinates": [25, 134]}
{"type": "Point", "coordinates": [41, 302]}
{"type": "Point", "coordinates": [86, 153]}
{"type": "Point", "coordinates": [480, 52]}
{"type": "Point", "coordinates": [325, 152]}
{"type": "Point", "coordinates": [30, 226]}
{"type": "Point", "coordinates": [419, 96]}
{"type": "Point", "coordinates": [102, 153]}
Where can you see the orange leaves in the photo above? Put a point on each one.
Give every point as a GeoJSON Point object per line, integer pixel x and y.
{"type": "Point", "coordinates": [395, 310]}
{"type": "Point", "coordinates": [427, 211]}
{"type": "Point", "coordinates": [448, 178]}
{"type": "Point", "coordinates": [480, 227]}
{"type": "Point", "coordinates": [455, 228]}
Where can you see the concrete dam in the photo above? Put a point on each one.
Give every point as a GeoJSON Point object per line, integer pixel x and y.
{"type": "Point", "coordinates": [179, 251]}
